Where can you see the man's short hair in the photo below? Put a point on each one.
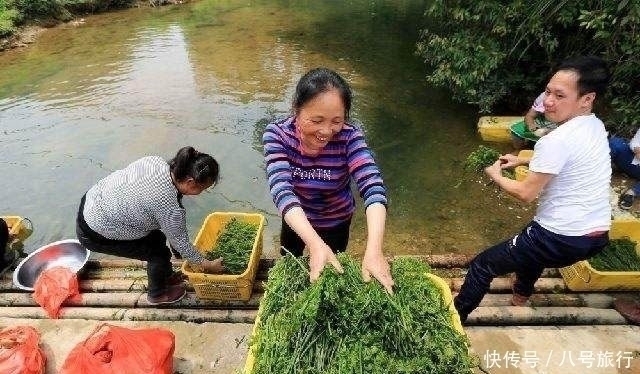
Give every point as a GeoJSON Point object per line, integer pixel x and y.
{"type": "Point", "coordinates": [593, 73]}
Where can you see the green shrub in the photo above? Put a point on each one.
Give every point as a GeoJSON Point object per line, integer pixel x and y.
{"type": "Point", "coordinates": [8, 19]}
{"type": "Point", "coordinates": [39, 8]}
{"type": "Point", "coordinates": [498, 54]}
{"type": "Point", "coordinates": [14, 12]}
{"type": "Point", "coordinates": [6, 24]}
{"type": "Point", "coordinates": [91, 6]}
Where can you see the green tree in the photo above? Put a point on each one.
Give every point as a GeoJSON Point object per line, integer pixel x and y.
{"type": "Point", "coordinates": [39, 8]}
{"type": "Point", "coordinates": [498, 54]}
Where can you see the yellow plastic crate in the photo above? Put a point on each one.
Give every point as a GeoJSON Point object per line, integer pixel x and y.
{"type": "Point", "coordinates": [19, 227]}
{"type": "Point", "coordinates": [525, 154]}
{"type": "Point", "coordinates": [521, 172]}
{"type": "Point", "coordinates": [582, 277]}
{"type": "Point", "coordinates": [497, 128]}
{"type": "Point", "coordinates": [440, 283]}
{"type": "Point", "coordinates": [226, 287]}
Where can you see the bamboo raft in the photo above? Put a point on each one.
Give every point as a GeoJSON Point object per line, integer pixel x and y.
{"type": "Point", "coordinates": [115, 289]}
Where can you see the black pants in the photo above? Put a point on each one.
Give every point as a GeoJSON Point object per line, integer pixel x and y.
{"type": "Point", "coordinates": [526, 254]}
{"type": "Point", "coordinates": [336, 237]}
{"type": "Point", "coordinates": [4, 240]}
{"type": "Point", "coordinates": [151, 248]}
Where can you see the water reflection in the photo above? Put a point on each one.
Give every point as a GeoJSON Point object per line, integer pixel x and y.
{"type": "Point", "coordinates": [84, 101]}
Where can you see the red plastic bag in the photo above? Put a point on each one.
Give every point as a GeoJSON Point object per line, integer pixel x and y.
{"type": "Point", "coordinates": [19, 351]}
{"type": "Point", "coordinates": [53, 287]}
{"type": "Point", "coordinates": [118, 350]}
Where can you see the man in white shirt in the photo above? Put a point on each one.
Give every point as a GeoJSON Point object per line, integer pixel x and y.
{"type": "Point", "coordinates": [570, 174]}
{"type": "Point", "coordinates": [626, 156]}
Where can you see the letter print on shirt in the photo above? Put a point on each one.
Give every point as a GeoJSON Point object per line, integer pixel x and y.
{"type": "Point", "coordinates": [311, 174]}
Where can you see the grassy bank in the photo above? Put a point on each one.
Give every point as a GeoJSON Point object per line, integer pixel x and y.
{"type": "Point", "coordinates": [15, 15]}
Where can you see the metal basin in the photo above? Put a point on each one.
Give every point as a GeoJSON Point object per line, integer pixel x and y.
{"type": "Point", "coordinates": [66, 253]}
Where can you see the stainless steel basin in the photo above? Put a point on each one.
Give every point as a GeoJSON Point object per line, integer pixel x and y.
{"type": "Point", "coordinates": [67, 253]}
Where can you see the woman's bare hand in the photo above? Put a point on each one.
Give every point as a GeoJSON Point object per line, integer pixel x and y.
{"type": "Point", "coordinates": [319, 257]}
{"type": "Point", "coordinates": [377, 266]}
{"type": "Point", "coordinates": [213, 267]}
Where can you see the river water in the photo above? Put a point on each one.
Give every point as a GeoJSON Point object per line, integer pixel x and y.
{"type": "Point", "coordinates": [90, 97]}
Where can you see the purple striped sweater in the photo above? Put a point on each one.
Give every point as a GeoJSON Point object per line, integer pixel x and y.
{"type": "Point", "coordinates": [320, 185]}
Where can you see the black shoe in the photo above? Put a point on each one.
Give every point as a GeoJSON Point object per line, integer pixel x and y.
{"type": "Point", "coordinates": [626, 201]}
{"type": "Point", "coordinates": [176, 278]}
{"type": "Point", "coordinates": [516, 298]}
{"type": "Point", "coordinates": [171, 295]}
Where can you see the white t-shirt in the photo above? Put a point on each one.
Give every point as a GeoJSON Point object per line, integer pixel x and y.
{"type": "Point", "coordinates": [538, 103]}
{"type": "Point", "coordinates": [575, 202]}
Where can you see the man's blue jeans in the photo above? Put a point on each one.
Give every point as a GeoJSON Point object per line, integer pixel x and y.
{"type": "Point", "coordinates": [622, 155]}
{"type": "Point", "coordinates": [527, 254]}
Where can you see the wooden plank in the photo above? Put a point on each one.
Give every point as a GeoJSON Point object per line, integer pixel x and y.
{"type": "Point", "coordinates": [513, 315]}
{"type": "Point", "coordinates": [109, 285]}
{"type": "Point", "coordinates": [134, 299]}
{"type": "Point", "coordinates": [147, 314]}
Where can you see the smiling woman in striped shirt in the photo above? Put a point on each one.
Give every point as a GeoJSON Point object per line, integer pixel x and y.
{"type": "Point", "coordinates": [311, 158]}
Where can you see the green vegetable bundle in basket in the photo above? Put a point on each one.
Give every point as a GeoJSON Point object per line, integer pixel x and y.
{"type": "Point", "coordinates": [619, 255]}
{"type": "Point", "coordinates": [234, 245]}
{"type": "Point", "coordinates": [616, 268]}
{"type": "Point", "coordinates": [237, 238]}
{"type": "Point", "coordinates": [341, 325]}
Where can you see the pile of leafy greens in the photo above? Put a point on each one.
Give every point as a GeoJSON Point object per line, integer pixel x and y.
{"type": "Point", "coordinates": [482, 158]}
{"type": "Point", "coordinates": [339, 324]}
{"type": "Point", "coordinates": [619, 255]}
{"type": "Point", "coordinates": [234, 245]}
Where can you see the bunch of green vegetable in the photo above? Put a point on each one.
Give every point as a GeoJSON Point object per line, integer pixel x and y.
{"type": "Point", "coordinates": [481, 158]}
{"type": "Point", "coordinates": [234, 245]}
{"type": "Point", "coordinates": [340, 325]}
{"type": "Point", "coordinates": [484, 157]}
{"type": "Point", "coordinates": [619, 255]}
